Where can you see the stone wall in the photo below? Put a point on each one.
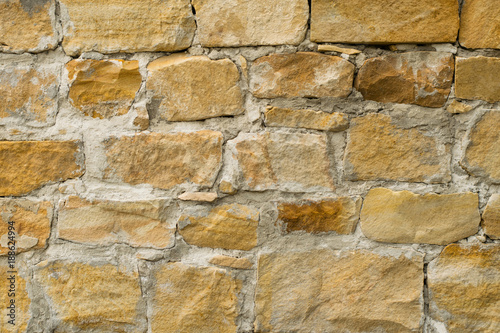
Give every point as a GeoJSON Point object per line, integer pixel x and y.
{"type": "Point", "coordinates": [250, 166]}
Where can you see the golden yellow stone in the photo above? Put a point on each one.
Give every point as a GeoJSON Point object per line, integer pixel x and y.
{"type": "Point", "coordinates": [318, 120]}
{"type": "Point", "coordinates": [478, 78]}
{"type": "Point", "coordinates": [226, 261]}
{"type": "Point", "coordinates": [491, 217]}
{"type": "Point", "coordinates": [458, 107]}
{"type": "Point", "coordinates": [479, 24]}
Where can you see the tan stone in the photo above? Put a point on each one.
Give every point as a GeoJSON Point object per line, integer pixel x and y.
{"type": "Point", "coordinates": [337, 214]}
{"type": "Point", "coordinates": [103, 88]}
{"type": "Point", "coordinates": [194, 87]}
{"type": "Point", "coordinates": [491, 217]}
{"type": "Point", "coordinates": [198, 196]}
{"type": "Point", "coordinates": [302, 74]}
{"type": "Point", "coordinates": [318, 120]}
{"type": "Point", "coordinates": [238, 263]}
{"type": "Point", "coordinates": [194, 299]}
{"type": "Point", "coordinates": [478, 78]}
{"type": "Point", "coordinates": [230, 23]}
{"type": "Point", "coordinates": [386, 21]}
{"type": "Point", "coordinates": [458, 107]}
{"type": "Point", "coordinates": [21, 299]}
{"type": "Point", "coordinates": [377, 149]}
{"type": "Point", "coordinates": [27, 26]}
{"type": "Point", "coordinates": [103, 297]}
{"type": "Point", "coordinates": [333, 291]}
{"type": "Point", "coordinates": [127, 26]}
{"type": "Point", "coordinates": [464, 288]}
{"type": "Point", "coordinates": [165, 160]}
{"type": "Point", "coordinates": [135, 223]}
{"type": "Point", "coordinates": [333, 48]}
{"type": "Point", "coordinates": [227, 188]}
{"type": "Point", "coordinates": [28, 165]}
{"type": "Point", "coordinates": [142, 118]}
{"type": "Point", "coordinates": [406, 217]}
{"type": "Point", "coordinates": [232, 226]}
{"type": "Point", "coordinates": [482, 156]}
{"type": "Point", "coordinates": [479, 24]}
{"type": "Point", "coordinates": [421, 78]}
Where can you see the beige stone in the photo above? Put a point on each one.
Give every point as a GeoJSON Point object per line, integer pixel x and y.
{"type": "Point", "coordinates": [464, 288]}
{"type": "Point", "coordinates": [97, 297]}
{"type": "Point", "coordinates": [482, 155]}
{"type": "Point", "coordinates": [226, 261]}
{"type": "Point", "coordinates": [478, 78]}
{"type": "Point", "coordinates": [103, 88]}
{"type": "Point", "coordinates": [333, 48]}
{"type": "Point", "coordinates": [405, 217]}
{"type": "Point", "coordinates": [21, 299]}
{"type": "Point", "coordinates": [479, 24]}
{"type": "Point", "coordinates": [227, 188]}
{"type": "Point", "coordinates": [491, 217]}
{"type": "Point", "coordinates": [232, 226]}
{"type": "Point", "coordinates": [421, 78]}
{"type": "Point", "coordinates": [28, 165]}
{"type": "Point", "coordinates": [103, 222]}
{"type": "Point", "coordinates": [198, 196]}
{"type": "Point", "coordinates": [141, 119]}
{"type": "Point", "coordinates": [194, 87]}
{"type": "Point", "coordinates": [194, 299]}
{"type": "Point", "coordinates": [318, 120]}
{"type": "Point", "coordinates": [165, 160]}
{"type": "Point", "coordinates": [127, 26]}
{"type": "Point", "coordinates": [232, 23]}
{"type": "Point", "coordinates": [336, 214]}
{"type": "Point", "coordinates": [351, 291]}
{"type": "Point", "coordinates": [302, 74]}
{"type": "Point", "coordinates": [377, 149]}
{"type": "Point", "coordinates": [386, 21]}
{"type": "Point", "coordinates": [27, 26]}
{"type": "Point", "coordinates": [458, 107]}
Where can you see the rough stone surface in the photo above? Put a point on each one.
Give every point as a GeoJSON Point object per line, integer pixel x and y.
{"type": "Point", "coordinates": [136, 223]}
{"type": "Point", "coordinates": [194, 88]}
{"type": "Point", "coordinates": [125, 26]}
{"type": "Point", "coordinates": [165, 160]}
{"type": "Point", "coordinates": [318, 120]}
{"type": "Point", "coordinates": [482, 156]}
{"type": "Point", "coordinates": [464, 288]}
{"type": "Point", "coordinates": [326, 291]}
{"type": "Point", "coordinates": [479, 24]}
{"type": "Point", "coordinates": [458, 107]}
{"type": "Point", "coordinates": [406, 217]}
{"type": "Point", "coordinates": [22, 300]}
{"type": "Point", "coordinates": [194, 299]}
{"type": "Point", "coordinates": [302, 74]}
{"type": "Point", "coordinates": [231, 226]}
{"type": "Point", "coordinates": [386, 21]}
{"type": "Point", "coordinates": [333, 48]}
{"type": "Point", "coordinates": [337, 214]}
{"type": "Point", "coordinates": [478, 78]}
{"type": "Point", "coordinates": [226, 261]}
{"type": "Point", "coordinates": [28, 165]}
{"type": "Point", "coordinates": [377, 149]}
{"type": "Point", "coordinates": [198, 196]}
{"type": "Point", "coordinates": [142, 118]}
{"type": "Point", "coordinates": [103, 88]}
{"type": "Point", "coordinates": [491, 217]}
{"type": "Point", "coordinates": [421, 78]}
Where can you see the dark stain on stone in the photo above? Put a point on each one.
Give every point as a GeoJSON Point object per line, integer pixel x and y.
{"type": "Point", "coordinates": [33, 6]}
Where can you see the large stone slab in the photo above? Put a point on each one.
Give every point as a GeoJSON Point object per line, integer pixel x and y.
{"type": "Point", "coordinates": [349, 291]}
{"type": "Point", "coordinates": [491, 217]}
{"type": "Point", "coordinates": [317, 120]}
{"type": "Point", "coordinates": [386, 21]}
{"type": "Point", "coordinates": [478, 78]}
{"type": "Point", "coordinates": [14, 320]}
{"type": "Point", "coordinates": [479, 24]}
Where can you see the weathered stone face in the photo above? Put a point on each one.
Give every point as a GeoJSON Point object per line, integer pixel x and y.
{"type": "Point", "coordinates": [377, 149]}
{"type": "Point", "coordinates": [229, 23]}
{"type": "Point", "coordinates": [136, 223]}
{"type": "Point", "coordinates": [226, 261]}
{"type": "Point", "coordinates": [198, 196]}
{"type": "Point", "coordinates": [405, 21]}
{"type": "Point", "coordinates": [478, 78]}
{"type": "Point", "coordinates": [482, 156]}
{"type": "Point", "coordinates": [339, 215]}
{"type": "Point", "coordinates": [22, 300]}
{"type": "Point", "coordinates": [421, 78]}
{"type": "Point", "coordinates": [479, 24]}
{"type": "Point", "coordinates": [458, 107]}
{"type": "Point", "coordinates": [318, 120]}
{"type": "Point", "coordinates": [302, 74]}
{"type": "Point", "coordinates": [326, 291]}
{"type": "Point", "coordinates": [464, 288]}
{"type": "Point", "coordinates": [103, 88]}
{"type": "Point", "coordinates": [491, 217]}
{"type": "Point", "coordinates": [194, 87]}
{"type": "Point", "coordinates": [194, 299]}
{"type": "Point", "coordinates": [28, 165]}
{"type": "Point", "coordinates": [406, 217]}
{"type": "Point", "coordinates": [165, 160]}
{"type": "Point", "coordinates": [124, 26]}
{"type": "Point", "coordinates": [228, 227]}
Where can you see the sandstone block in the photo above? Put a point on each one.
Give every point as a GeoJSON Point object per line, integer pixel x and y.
{"type": "Point", "coordinates": [22, 299]}
{"type": "Point", "coordinates": [198, 196]}
{"type": "Point", "coordinates": [226, 261]}
{"type": "Point", "coordinates": [478, 78]}
{"type": "Point", "coordinates": [194, 87]}
{"type": "Point", "coordinates": [318, 120]}
{"type": "Point", "coordinates": [479, 25]}
{"type": "Point", "coordinates": [458, 107]}
{"type": "Point", "coordinates": [333, 48]}
{"type": "Point", "coordinates": [491, 217]}
{"type": "Point", "coordinates": [302, 74]}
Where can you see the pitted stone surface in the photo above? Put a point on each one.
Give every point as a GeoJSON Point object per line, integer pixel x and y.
{"type": "Point", "coordinates": [478, 78]}
{"type": "Point", "coordinates": [479, 24]}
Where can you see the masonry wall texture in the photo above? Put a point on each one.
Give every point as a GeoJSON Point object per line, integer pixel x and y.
{"type": "Point", "coordinates": [245, 166]}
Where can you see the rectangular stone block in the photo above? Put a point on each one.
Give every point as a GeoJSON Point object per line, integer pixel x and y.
{"type": "Point", "coordinates": [478, 78]}
{"type": "Point", "coordinates": [479, 24]}
{"type": "Point", "coordinates": [317, 120]}
{"type": "Point", "coordinates": [491, 217]}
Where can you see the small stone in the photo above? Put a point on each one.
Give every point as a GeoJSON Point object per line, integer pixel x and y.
{"type": "Point", "coordinates": [244, 66]}
{"type": "Point", "coordinates": [302, 74]}
{"type": "Point", "coordinates": [142, 118]}
{"type": "Point", "coordinates": [333, 48]}
{"type": "Point", "coordinates": [198, 196]}
{"type": "Point", "coordinates": [231, 227]}
{"type": "Point", "coordinates": [22, 300]}
{"type": "Point", "coordinates": [194, 87]}
{"type": "Point", "coordinates": [227, 188]}
{"type": "Point", "coordinates": [406, 217]}
{"type": "Point", "coordinates": [318, 120]}
{"type": "Point", "coordinates": [458, 107]}
{"type": "Point", "coordinates": [194, 299]}
{"type": "Point", "coordinates": [226, 261]}
{"type": "Point", "coordinates": [491, 217]}
{"type": "Point", "coordinates": [479, 25]}
{"type": "Point", "coordinates": [421, 78]}
{"type": "Point", "coordinates": [478, 78]}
